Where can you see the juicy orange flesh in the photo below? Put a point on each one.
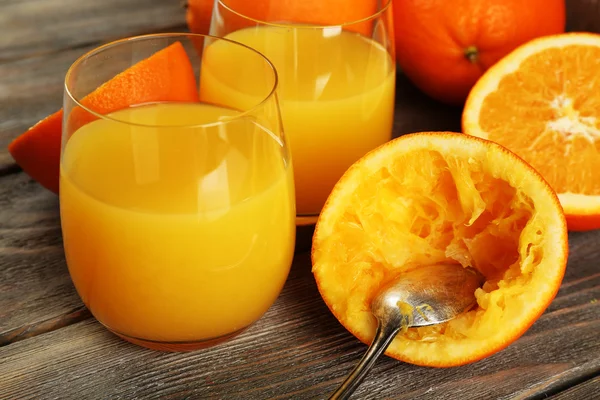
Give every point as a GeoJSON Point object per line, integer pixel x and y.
{"type": "Point", "coordinates": [426, 208]}
{"type": "Point", "coordinates": [550, 105]}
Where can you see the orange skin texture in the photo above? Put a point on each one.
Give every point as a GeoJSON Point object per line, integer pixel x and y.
{"type": "Point", "coordinates": [432, 37]}
{"type": "Point", "coordinates": [509, 339]}
{"type": "Point", "coordinates": [198, 15]}
{"type": "Point", "coordinates": [165, 76]}
{"type": "Point", "coordinates": [319, 12]}
{"type": "Point", "coordinates": [582, 223]}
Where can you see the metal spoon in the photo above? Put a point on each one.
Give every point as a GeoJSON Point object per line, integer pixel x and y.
{"type": "Point", "coordinates": [423, 296]}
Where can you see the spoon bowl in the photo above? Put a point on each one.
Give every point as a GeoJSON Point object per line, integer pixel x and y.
{"type": "Point", "coordinates": [427, 295]}
{"type": "Point", "coordinates": [421, 296]}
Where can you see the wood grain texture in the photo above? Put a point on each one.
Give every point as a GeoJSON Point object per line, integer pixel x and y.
{"type": "Point", "coordinates": [36, 293]}
{"type": "Point", "coordinates": [30, 90]}
{"type": "Point", "coordinates": [31, 329]}
{"type": "Point", "coordinates": [298, 350]}
{"type": "Point", "coordinates": [583, 15]}
{"type": "Point", "coordinates": [42, 27]}
{"type": "Point", "coordinates": [416, 112]}
{"type": "Point", "coordinates": [588, 390]}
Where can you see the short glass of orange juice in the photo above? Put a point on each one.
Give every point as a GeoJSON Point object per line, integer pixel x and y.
{"type": "Point", "coordinates": [177, 206]}
{"type": "Point", "coordinates": [336, 64]}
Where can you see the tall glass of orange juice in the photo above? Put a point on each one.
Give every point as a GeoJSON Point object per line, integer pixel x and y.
{"type": "Point", "coordinates": [177, 205]}
{"type": "Point", "coordinates": [336, 64]}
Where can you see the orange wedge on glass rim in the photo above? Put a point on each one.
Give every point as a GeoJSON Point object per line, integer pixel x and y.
{"type": "Point", "coordinates": [430, 198]}
{"type": "Point", "coordinates": [167, 75]}
{"type": "Point", "coordinates": [542, 101]}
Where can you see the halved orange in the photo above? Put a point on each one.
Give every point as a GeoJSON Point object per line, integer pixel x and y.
{"type": "Point", "coordinates": [167, 75]}
{"type": "Point", "coordinates": [431, 198]}
{"type": "Point", "coordinates": [542, 101]}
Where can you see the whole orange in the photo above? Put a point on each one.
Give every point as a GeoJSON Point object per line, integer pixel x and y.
{"type": "Point", "coordinates": [331, 12]}
{"type": "Point", "coordinates": [198, 15]}
{"type": "Point", "coordinates": [445, 46]}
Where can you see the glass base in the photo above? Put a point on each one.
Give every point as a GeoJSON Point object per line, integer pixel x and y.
{"type": "Point", "coordinates": [179, 346]}
{"type": "Point", "coordinates": [303, 220]}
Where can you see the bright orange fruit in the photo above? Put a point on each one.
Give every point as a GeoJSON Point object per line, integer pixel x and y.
{"type": "Point", "coordinates": [432, 198]}
{"type": "Point", "coordinates": [542, 102]}
{"type": "Point", "coordinates": [165, 76]}
{"type": "Point", "coordinates": [445, 46]}
{"type": "Point", "coordinates": [198, 15]}
{"type": "Point", "coordinates": [318, 12]}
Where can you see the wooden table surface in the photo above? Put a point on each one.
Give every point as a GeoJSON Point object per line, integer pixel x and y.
{"type": "Point", "coordinates": [52, 348]}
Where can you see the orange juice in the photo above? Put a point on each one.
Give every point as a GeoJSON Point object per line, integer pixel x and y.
{"type": "Point", "coordinates": [336, 91]}
{"type": "Point", "coordinates": [175, 234]}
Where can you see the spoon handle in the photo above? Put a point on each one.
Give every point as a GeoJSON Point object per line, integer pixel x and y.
{"type": "Point", "coordinates": [383, 337]}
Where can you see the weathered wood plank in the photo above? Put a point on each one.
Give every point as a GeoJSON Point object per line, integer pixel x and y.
{"type": "Point", "coordinates": [298, 350]}
{"type": "Point", "coordinates": [583, 15]}
{"type": "Point", "coordinates": [30, 90]}
{"type": "Point", "coordinates": [588, 390]}
{"type": "Point", "coordinates": [39, 27]}
{"type": "Point", "coordinates": [416, 112]}
{"type": "Point", "coordinates": [36, 293]}
{"type": "Point", "coordinates": [32, 329]}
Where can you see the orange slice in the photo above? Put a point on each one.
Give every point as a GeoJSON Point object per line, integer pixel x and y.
{"type": "Point", "coordinates": [542, 101]}
{"type": "Point", "coordinates": [167, 75]}
{"type": "Point", "coordinates": [431, 198]}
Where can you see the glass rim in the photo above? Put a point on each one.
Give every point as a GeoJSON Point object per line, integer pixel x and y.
{"type": "Point", "coordinates": [378, 13]}
{"type": "Point", "coordinates": [107, 46]}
